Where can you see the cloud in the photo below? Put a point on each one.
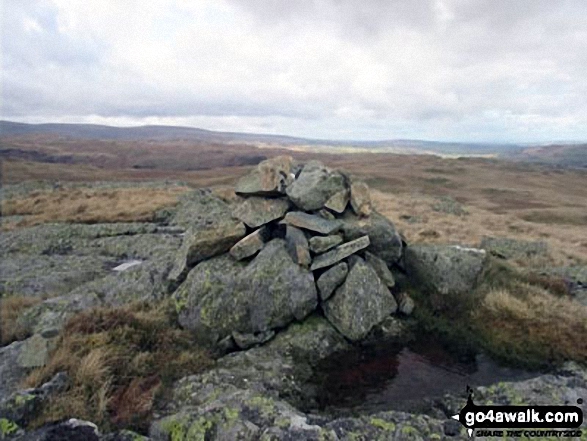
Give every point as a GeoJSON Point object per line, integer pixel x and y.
{"type": "Point", "coordinates": [484, 70]}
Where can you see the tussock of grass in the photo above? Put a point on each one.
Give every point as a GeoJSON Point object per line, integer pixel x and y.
{"type": "Point", "coordinates": [10, 309]}
{"type": "Point", "coordinates": [85, 205]}
{"type": "Point", "coordinates": [119, 361]}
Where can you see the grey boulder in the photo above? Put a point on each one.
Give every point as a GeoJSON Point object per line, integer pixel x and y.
{"type": "Point", "coordinates": [315, 185]}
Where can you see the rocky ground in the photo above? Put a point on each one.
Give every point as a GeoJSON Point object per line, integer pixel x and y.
{"type": "Point", "coordinates": [294, 267]}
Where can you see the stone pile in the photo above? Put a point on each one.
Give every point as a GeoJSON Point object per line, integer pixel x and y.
{"type": "Point", "coordinates": [296, 238]}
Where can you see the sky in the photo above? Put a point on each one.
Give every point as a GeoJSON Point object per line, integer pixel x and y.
{"type": "Point", "coordinates": [446, 70]}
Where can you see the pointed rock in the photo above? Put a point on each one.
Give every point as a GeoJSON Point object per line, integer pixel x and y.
{"type": "Point", "coordinates": [312, 222]}
{"type": "Point", "coordinates": [341, 252]}
{"type": "Point", "coordinates": [271, 177]}
{"type": "Point", "coordinates": [257, 211]}
{"type": "Point", "coordinates": [381, 269]}
{"type": "Point", "coordinates": [297, 246]}
{"type": "Point", "coordinates": [249, 245]}
{"type": "Point", "coordinates": [338, 201]}
{"type": "Point", "coordinates": [331, 280]}
{"type": "Point", "coordinates": [360, 198]}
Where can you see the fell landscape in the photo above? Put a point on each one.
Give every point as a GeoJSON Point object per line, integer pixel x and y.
{"type": "Point", "coordinates": [161, 281]}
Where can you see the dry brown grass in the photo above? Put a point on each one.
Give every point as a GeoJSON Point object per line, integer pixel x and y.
{"type": "Point", "coordinates": [90, 206]}
{"type": "Point", "coordinates": [10, 309]}
{"type": "Point", "coordinates": [118, 360]}
{"type": "Point", "coordinates": [535, 323]}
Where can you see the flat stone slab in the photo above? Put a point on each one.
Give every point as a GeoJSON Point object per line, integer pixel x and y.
{"type": "Point", "coordinates": [341, 252]}
{"type": "Point", "coordinates": [297, 246]}
{"type": "Point", "coordinates": [270, 177]}
{"type": "Point", "coordinates": [312, 222]}
{"type": "Point", "coordinates": [126, 265]}
{"type": "Point", "coordinates": [249, 245]}
{"type": "Point", "coordinates": [256, 211]}
{"type": "Point", "coordinates": [321, 244]}
{"type": "Point", "coordinates": [332, 279]}
{"type": "Point", "coordinates": [338, 201]}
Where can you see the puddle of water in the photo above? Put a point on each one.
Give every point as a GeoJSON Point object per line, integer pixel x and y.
{"type": "Point", "coordinates": [126, 265]}
{"type": "Point", "coordinates": [392, 377]}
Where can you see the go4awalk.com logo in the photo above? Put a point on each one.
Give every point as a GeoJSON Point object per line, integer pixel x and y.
{"type": "Point", "coordinates": [526, 421]}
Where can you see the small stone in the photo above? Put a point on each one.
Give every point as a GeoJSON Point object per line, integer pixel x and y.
{"type": "Point", "coordinates": [331, 280]}
{"type": "Point", "coordinates": [321, 244]}
{"type": "Point", "coordinates": [271, 177]}
{"type": "Point", "coordinates": [246, 341]}
{"type": "Point", "coordinates": [405, 303]}
{"type": "Point", "coordinates": [341, 252]}
{"type": "Point", "coordinates": [326, 214]}
{"type": "Point", "coordinates": [249, 245]}
{"type": "Point", "coordinates": [34, 352]}
{"type": "Point", "coordinates": [338, 201]}
{"type": "Point", "coordinates": [297, 246]}
{"type": "Point", "coordinates": [312, 222]}
{"type": "Point", "coordinates": [380, 268]}
{"type": "Point", "coordinates": [256, 211]}
{"type": "Point", "coordinates": [360, 198]}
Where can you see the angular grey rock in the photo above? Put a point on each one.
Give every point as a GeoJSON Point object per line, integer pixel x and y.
{"type": "Point", "coordinates": [246, 341]}
{"type": "Point", "coordinates": [338, 201]}
{"type": "Point", "coordinates": [297, 246]}
{"type": "Point", "coordinates": [312, 222]}
{"type": "Point", "coordinates": [381, 269]}
{"type": "Point", "coordinates": [221, 295]}
{"type": "Point", "coordinates": [202, 243]}
{"type": "Point", "coordinates": [331, 280]}
{"type": "Point", "coordinates": [249, 245]}
{"type": "Point", "coordinates": [324, 213]}
{"type": "Point", "coordinates": [360, 303]}
{"type": "Point", "coordinates": [315, 185]}
{"type": "Point", "coordinates": [320, 244]}
{"type": "Point", "coordinates": [340, 252]}
{"type": "Point", "coordinates": [508, 248]}
{"type": "Point", "coordinates": [448, 274]}
{"type": "Point", "coordinates": [270, 177]}
{"type": "Point", "coordinates": [11, 372]}
{"type": "Point", "coordinates": [256, 211]}
{"type": "Point", "coordinates": [386, 243]}
{"type": "Point", "coordinates": [360, 199]}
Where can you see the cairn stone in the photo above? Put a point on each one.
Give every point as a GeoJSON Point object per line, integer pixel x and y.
{"type": "Point", "coordinates": [297, 246]}
{"type": "Point", "coordinates": [332, 279]}
{"type": "Point", "coordinates": [338, 201]}
{"type": "Point", "coordinates": [312, 222]}
{"type": "Point", "coordinates": [257, 211]}
{"type": "Point", "coordinates": [321, 244]}
{"type": "Point", "coordinates": [249, 245]}
{"type": "Point", "coordinates": [341, 252]}
{"type": "Point", "coordinates": [360, 199]}
{"type": "Point", "coordinates": [381, 269]}
{"type": "Point", "coordinates": [269, 178]}
{"type": "Point", "coordinates": [315, 185]}
{"type": "Point", "coordinates": [360, 303]}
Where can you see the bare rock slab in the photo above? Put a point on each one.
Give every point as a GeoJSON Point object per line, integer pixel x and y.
{"type": "Point", "coordinates": [315, 185]}
{"type": "Point", "coordinates": [257, 211]}
{"type": "Point", "coordinates": [269, 178]}
{"type": "Point", "coordinates": [321, 244]}
{"type": "Point", "coordinates": [331, 280]}
{"type": "Point", "coordinates": [341, 252]}
{"type": "Point", "coordinates": [249, 245]}
{"type": "Point", "coordinates": [362, 302]}
{"type": "Point", "coordinates": [297, 246]}
{"type": "Point", "coordinates": [312, 222]}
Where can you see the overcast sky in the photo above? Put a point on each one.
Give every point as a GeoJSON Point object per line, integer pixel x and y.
{"type": "Point", "coordinates": [460, 70]}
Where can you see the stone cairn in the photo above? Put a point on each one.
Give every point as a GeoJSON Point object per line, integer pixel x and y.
{"type": "Point", "coordinates": [297, 238]}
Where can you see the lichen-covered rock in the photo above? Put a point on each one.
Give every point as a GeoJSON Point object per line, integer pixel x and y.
{"type": "Point", "coordinates": [321, 244]}
{"type": "Point", "coordinates": [339, 253]}
{"type": "Point", "coordinates": [34, 352]}
{"type": "Point", "coordinates": [271, 177]}
{"type": "Point", "coordinates": [250, 244]}
{"type": "Point", "coordinates": [201, 243]}
{"type": "Point", "coordinates": [385, 242]}
{"type": "Point", "coordinates": [11, 372]}
{"type": "Point", "coordinates": [72, 430]}
{"type": "Point", "coordinates": [508, 248]}
{"type": "Point", "coordinates": [332, 279]}
{"type": "Point", "coordinates": [315, 185]}
{"type": "Point", "coordinates": [338, 201]}
{"type": "Point", "coordinates": [360, 303]}
{"type": "Point", "coordinates": [245, 341]}
{"type": "Point", "coordinates": [221, 295]}
{"type": "Point", "coordinates": [381, 269]}
{"type": "Point", "coordinates": [257, 211]}
{"type": "Point", "coordinates": [312, 222]}
{"type": "Point", "coordinates": [297, 246]}
{"type": "Point", "coordinates": [446, 273]}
